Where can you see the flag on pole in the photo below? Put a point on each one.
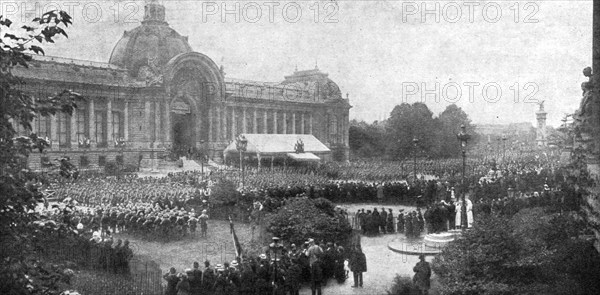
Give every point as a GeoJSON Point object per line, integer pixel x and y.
{"type": "Point", "coordinates": [236, 242]}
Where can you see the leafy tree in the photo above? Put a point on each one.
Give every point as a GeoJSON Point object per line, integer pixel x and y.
{"type": "Point", "coordinates": [301, 218]}
{"type": "Point", "coordinates": [528, 253]}
{"type": "Point", "coordinates": [449, 122]}
{"type": "Point", "coordinates": [407, 122]}
{"type": "Point", "coordinates": [20, 192]}
{"type": "Point", "coordinates": [366, 140]}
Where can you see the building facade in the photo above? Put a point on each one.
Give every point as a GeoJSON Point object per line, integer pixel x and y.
{"type": "Point", "coordinates": [156, 94]}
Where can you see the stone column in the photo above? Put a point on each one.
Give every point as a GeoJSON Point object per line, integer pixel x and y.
{"type": "Point", "coordinates": [147, 120]}
{"type": "Point", "coordinates": [157, 135]}
{"type": "Point", "coordinates": [126, 121]}
{"type": "Point", "coordinates": [254, 122]}
{"type": "Point", "coordinates": [302, 123]}
{"type": "Point", "coordinates": [284, 123]}
{"type": "Point", "coordinates": [310, 123]}
{"type": "Point", "coordinates": [274, 121]}
{"type": "Point", "coordinates": [73, 130]}
{"type": "Point", "coordinates": [266, 122]}
{"type": "Point", "coordinates": [218, 125]}
{"type": "Point", "coordinates": [223, 112]}
{"type": "Point", "coordinates": [210, 124]}
{"type": "Point", "coordinates": [34, 125]}
{"type": "Point", "coordinates": [167, 122]}
{"type": "Point", "coordinates": [91, 122]}
{"type": "Point", "coordinates": [294, 123]}
{"type": "Point", "coordinates": [54, 132]}
{"type": "Point", "coordinates": [110, 136]}
{"type": "Point", "coordinates": [233, 123]}
{"type": "Point", "coordinates": [244, 121]}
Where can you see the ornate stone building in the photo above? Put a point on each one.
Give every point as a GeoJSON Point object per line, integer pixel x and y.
{"type": "Point", "coordinates": [157, 94]}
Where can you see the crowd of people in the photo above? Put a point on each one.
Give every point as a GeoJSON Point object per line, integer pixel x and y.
{"type": "Point", "coordinates": [280, 270]}
{"type": "Point", "coordinates": [88, 244]}
{"type": "Point", "coordinates": [174, 206]}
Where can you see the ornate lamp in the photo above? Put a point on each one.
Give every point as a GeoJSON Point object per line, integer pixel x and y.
{"type": "Point", "coordinates": [463, 137]}
{"type": "Point", "coordinates": [241, 144]}
{"type": "Point", "coordinates": [416, 144]}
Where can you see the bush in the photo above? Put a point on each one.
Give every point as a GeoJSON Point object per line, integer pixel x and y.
{"type": "Point", "coordinates": [403, 286]}
{"type": "Point", "coordinates": [531, 252]}
{"type": "Point", "coordinates": [301, 218]}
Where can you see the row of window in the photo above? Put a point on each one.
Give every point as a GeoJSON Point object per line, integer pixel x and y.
{"type": "Point", "coordinates": [293, 125]}
{"type": "Point", "coordinates": [84, 161]}
{"type": "Point", "coordinates": [100, 128]}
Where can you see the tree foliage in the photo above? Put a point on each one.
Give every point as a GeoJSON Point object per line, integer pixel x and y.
{"type": "Point", "coordinates": [528, 253]}
{"type": "Point", "coordinates": [301, 218]}
{"type": "Point", "coordinates": [19, 187]}
{"type": "Point", "coordinates": [393, 138]}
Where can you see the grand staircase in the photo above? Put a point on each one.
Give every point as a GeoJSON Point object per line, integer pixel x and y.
{"type": "Point", "coordinates": [183, 164]}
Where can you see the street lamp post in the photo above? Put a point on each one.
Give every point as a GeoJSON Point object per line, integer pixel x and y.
{"type": "Point", "coordinates": [241, 143]}
{"type": "Point", "coordinates": [416, 143]}
{"type": "Point", "coordinates": [275, 254]}
{"type": "Point", "coordinates": [463, 137]}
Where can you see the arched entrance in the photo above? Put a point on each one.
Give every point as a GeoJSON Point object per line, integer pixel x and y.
{"type": "Point", "coordinates": [194, 83]}
{"type": "Point", "coordinates": [183, 129]}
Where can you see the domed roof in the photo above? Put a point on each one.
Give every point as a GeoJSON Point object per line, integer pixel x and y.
{"type": "Point", "coordinates": [316, 81]}
{"type": "Point", "coordinates": [152, 44]}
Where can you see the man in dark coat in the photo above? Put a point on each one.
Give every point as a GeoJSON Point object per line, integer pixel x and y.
{"type": "Point", "coordinates": [382, 220]}
{"type": "Point", "coordinates": [400, 222]}
{"type": "Point", "coordinates": [316, 278]}
{"type": "Point", "coordinates": [375, 220]}
{"type": "Point", "coordinates": [294, 277]}
{"type": "Point", "coordinates": [390, 222]}
{"type": "Point", "coordinates": [195, 279]}
{"type": "Point", "coordinates": [172, 280]}
{"type": "Point", "coordinates": [422, 278]}
{"type": "Point", "coordinates": [358, 265]}
{"type": "Point", "coordinates": [409, 226]}
{"type": "Point", "coordinates": [451, 214]}
{"type": "Point", "coordinates": [247, 280]}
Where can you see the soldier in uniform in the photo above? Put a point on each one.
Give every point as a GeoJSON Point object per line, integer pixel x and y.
{"type": "Point", "coordinates": [192, 224]}
{"type": "Point", "coordinates": [203, 223]}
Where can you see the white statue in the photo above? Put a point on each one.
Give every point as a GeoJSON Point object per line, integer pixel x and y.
{"type": "Point", "coordinates": [469, 212]}
{"type": "Point", "coordinates": [458, 219]}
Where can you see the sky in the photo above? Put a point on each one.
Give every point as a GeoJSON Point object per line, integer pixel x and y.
{"type": "Point", "coordinates": [494, 59]}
